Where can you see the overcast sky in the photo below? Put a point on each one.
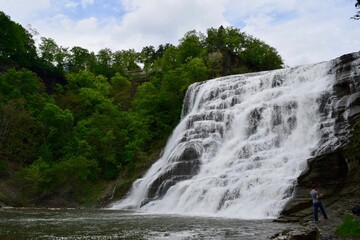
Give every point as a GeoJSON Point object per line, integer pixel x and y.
{"type": "Point", "coordinates": [303, 31]}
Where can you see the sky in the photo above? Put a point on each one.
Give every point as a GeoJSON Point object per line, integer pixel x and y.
{"type": "Point", "coordinates": [302, 31]}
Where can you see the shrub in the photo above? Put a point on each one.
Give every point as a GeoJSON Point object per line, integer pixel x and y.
{"type": "Point", "coordinates": [349, 228]}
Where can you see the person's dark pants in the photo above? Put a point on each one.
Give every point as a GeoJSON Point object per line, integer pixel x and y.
{"type": "Point", "coordinates": [318, 205]}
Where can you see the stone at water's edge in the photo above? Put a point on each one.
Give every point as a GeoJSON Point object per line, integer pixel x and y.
{"type": "Point", "coordinates": [309, 233]}
{"type": "Point", "coordinates": [335, 172]}
{"type": "Point", "coordinates": [184, 166]}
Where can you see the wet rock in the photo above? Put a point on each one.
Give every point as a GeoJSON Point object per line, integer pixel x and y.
{"type": "Point", "coordinates": [179, 171]}
{"type": "Point", "coordinates": [145, 201]}
{"type": "Point", "coordinates": [329, 171]}
{"type": "Point", "coordinates": [335, 169]}
{"type": "Point", "coordinates": [352, 114]}
{"type": "Point", "coordinates": [277, 81]}
{"type": "Point", "coordinates": [181, 167]}
{"type": "Point", "coordinates": [306, 233]}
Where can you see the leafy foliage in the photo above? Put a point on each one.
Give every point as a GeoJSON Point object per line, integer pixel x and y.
{"type": "Point", "coordinates": [350, 228]}
{"type": "Point", "coordinates": [16, 44]}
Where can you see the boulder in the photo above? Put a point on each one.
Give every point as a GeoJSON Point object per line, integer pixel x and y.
{"type": "Point", "coordinates": [180, 167]}
{"type": "Point", "coordinates": [306, 233]}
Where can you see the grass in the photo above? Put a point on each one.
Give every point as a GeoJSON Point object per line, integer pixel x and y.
{"type": "Point", "coordinates": [349, 228]}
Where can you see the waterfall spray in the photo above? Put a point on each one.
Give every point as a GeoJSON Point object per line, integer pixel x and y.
{"type": "Point", "coordinates": [241, 144]}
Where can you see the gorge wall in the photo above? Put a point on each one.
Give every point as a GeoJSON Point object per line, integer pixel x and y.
{"type": "Point", "coordinates": [337, 171]}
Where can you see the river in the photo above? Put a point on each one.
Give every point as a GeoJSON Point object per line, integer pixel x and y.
{"type": "Point", "coordinates": [17, 224]}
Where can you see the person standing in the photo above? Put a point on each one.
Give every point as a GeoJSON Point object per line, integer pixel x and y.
{"type": "Point", "coordinates": [317, 203]}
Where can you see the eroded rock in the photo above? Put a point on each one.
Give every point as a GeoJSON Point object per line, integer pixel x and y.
{"type": "Point", "coordinates": [306, 233]}
{"type": "Point", "coordinates": [332, 169]}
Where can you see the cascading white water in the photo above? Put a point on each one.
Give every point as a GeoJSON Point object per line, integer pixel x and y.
{"type": "Point", "coordinates": [252, 135]}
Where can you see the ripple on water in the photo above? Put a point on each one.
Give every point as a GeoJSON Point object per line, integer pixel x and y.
{"type": "Point", "coordinates": [108, 224]}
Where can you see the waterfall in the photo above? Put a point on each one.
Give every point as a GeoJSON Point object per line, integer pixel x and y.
{"type": "Point", "coordinates": [240, 145]}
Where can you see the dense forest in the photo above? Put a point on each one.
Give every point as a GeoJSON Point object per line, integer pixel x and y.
{"type": "Point", "coordinates": [74, 124]}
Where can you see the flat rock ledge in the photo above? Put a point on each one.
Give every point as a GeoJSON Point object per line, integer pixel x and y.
{"type": "Point", "coordinates": [306, 233]}
{"type": "Point", "coordinates": [336, 211]}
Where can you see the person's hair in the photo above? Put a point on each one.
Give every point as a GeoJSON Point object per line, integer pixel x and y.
{"type": "Point", "coordinates": [314, 185]}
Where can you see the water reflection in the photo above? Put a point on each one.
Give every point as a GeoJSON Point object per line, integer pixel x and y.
{"type": "Point", "coordinates": [111, 224]}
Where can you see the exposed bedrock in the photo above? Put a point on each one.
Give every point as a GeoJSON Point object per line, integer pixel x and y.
{"type": "Point", "coordinates": [182, 167]}
{"type": "Point", "coordinates": [335, 170]}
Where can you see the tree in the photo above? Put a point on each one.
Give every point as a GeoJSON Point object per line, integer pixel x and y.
{"type": "Point", "coordinates": [24, 84]}
{"type": "Point", "coordinates": [52, 54]}
{"type": "Point", "coordinates": [20, 84]}
{"type": "Point", "coordinates": [79, 80]}
{"type": "Point", "coordinates": [79, 59]}
{"type": "Point", "coordinates": [99, 138]}
{"type": "Point", "coordinates": [259, 56]}
{"type": "Point", "coordinates": [51, 63]}
{"type": "Point", "coordinates": [161, 49]}
{"type": "Point", "coordinates": [20, 133]}
{"type": "Point", "coordinates": [214, 61]}
{"type": "Point", "coordinates": [104, 61]}
{"type": "Point", "coordinates": [125, 62]}
{"type": "Point", "coordinates": [121, 91]}
{"type": "Point", "coordinates": [190, 46]}
{"type": "Point", "coordinates": [215, 39]}
{"type": "Point", "coordinates": [169, 60]}
{"type": "Point", "coordinates": [196, 70]}
{"type": "Point", "coordinates": [357, 6]}
{"type": "Point", "coordinates": [69, 178]}
{"type": "Point", "coordinates": [57, 125]}
{"type": "Point", "coordinates": [151, 57]}
{"type": "Point", "coordinates": [17, 48]}
{"type": "Point", "coordinates": [225, 46]}
{"type": "Point", "coordinates": [48, 49]}
{"type": "Point", "coordinates": [231, 51]}
{"type": "Point", "coordinates": [148, 57]}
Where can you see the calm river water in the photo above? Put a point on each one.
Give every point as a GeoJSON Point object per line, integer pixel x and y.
{"type": "Point", "coordinates": [17, 224]}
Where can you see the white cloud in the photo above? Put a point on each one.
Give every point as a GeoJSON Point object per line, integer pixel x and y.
{"type": "Point", "coordinates": [86, 25]}
{"type": "Point", "coordinates": [319, 31]}
{"type": "Point", "coordinates": [244, 9]}
{"type": "Point", "coordinates": [145, 23]}
{"type": "Point", "coordinates": [85, 33]}
{"type": "Point", "coordinates": [70, 4]}
{"type": "Point", "coordinates": [86, 3]}
{"type": "Point", "coordinates": [303, 32]}
{"type": "Point", "coordinates": [21, 9]}
{"type": "Point", "coordinates": [150, 22]}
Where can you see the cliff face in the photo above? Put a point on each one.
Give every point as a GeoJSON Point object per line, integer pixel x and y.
{"type": "Point", "coordinates": [337, 171]}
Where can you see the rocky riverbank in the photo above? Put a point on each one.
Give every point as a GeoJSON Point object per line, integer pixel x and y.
{"type": "Point", "coordinates": [325, 229]}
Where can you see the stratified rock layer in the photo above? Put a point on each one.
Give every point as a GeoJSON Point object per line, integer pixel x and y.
{"type": "Point", "coordinates": [336, 171]}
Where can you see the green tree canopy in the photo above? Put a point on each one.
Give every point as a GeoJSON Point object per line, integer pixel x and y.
{"type": "Point", "coordinates": [17, 47]}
